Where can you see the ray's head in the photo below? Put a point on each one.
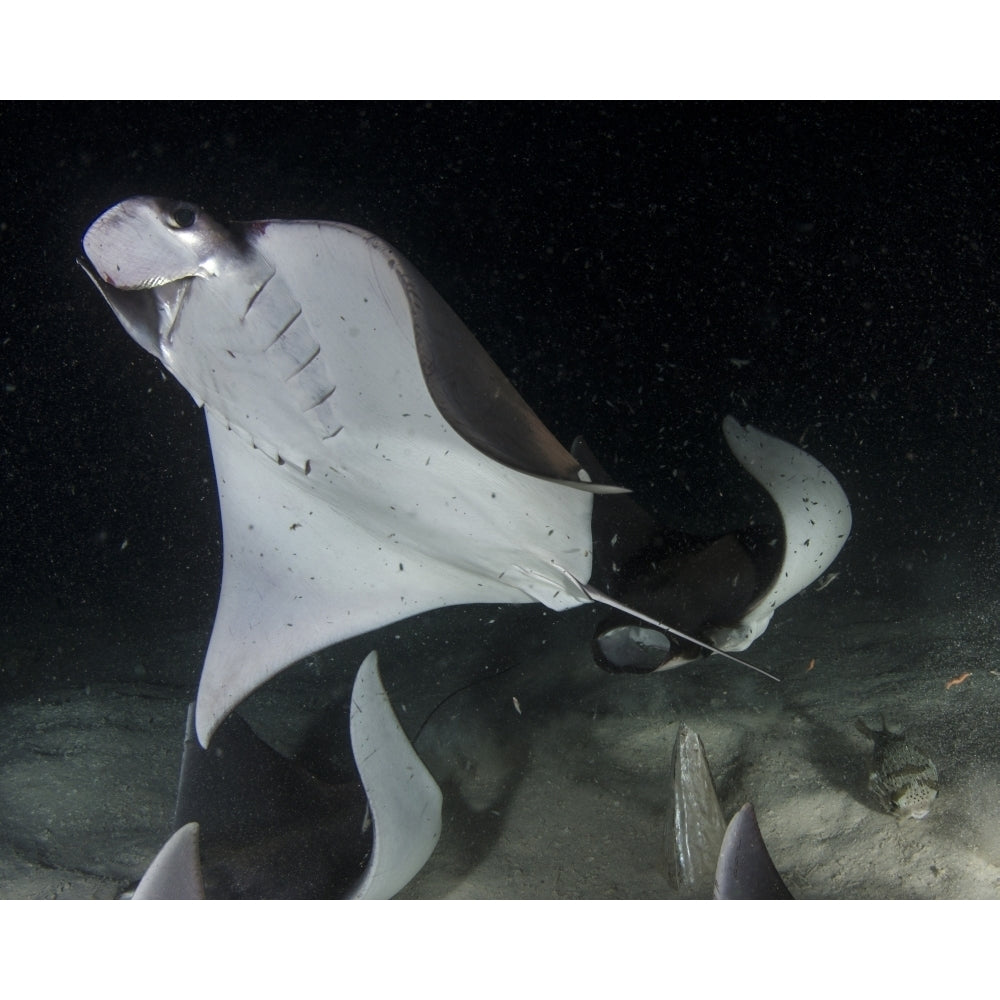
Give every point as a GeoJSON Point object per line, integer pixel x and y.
{"type": "Point", "coordinates": [149, 242]}
{"type": "Point", "coordinates": [142, 255]}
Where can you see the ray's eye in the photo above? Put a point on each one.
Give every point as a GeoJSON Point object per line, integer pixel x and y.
{"type": "Point", "coordinates": [182, 217]}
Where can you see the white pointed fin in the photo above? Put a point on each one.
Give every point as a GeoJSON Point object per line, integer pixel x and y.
{"type": "Point", "coordinates": [405, 800]}
{"type": "Point", "coordinates": [176, 871]}
{"type": "Point", "coordinates": [814, 509]}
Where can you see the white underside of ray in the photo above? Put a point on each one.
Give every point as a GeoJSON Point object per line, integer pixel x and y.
{"type": "Point", "coordinates": [816, 515]}
{"type": "Point", "coordinates": [348, 501]}
{"type": "Point", "coordinates": [404, 799]}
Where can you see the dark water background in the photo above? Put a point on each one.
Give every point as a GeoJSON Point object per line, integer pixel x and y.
{"type": "Point", "coordinates": [826, 272]}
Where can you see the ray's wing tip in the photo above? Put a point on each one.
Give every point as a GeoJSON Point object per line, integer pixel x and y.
{"type": "Point", "coordinates": [207, 718]}
{"type": "Point", "coordinates": [175, 872]}
{"type": "Point", "coordinates": [745, 869]}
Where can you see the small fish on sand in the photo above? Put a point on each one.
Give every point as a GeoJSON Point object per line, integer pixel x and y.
{"type": "Point", "coordinates": [903, 778]}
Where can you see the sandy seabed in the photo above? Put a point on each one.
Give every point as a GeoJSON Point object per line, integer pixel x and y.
{"type": "Point", "coordinates": [554, 774]}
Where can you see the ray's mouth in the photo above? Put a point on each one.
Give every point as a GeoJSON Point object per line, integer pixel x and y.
{"type": "Point", "coordinates": [148, 314]}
